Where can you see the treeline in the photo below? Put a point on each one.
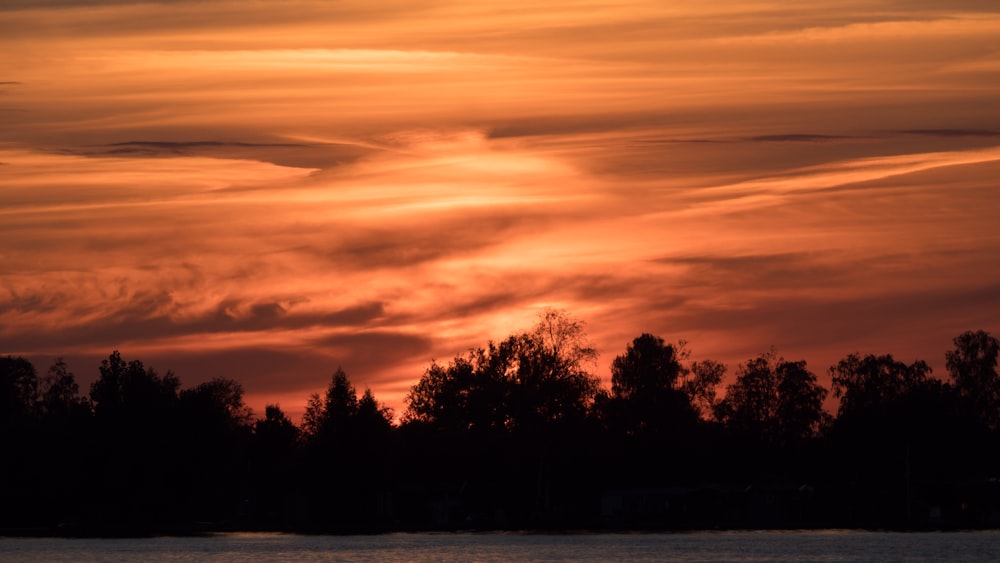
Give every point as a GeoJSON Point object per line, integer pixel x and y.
{"type": "Point", "coordinates": [518, 434]}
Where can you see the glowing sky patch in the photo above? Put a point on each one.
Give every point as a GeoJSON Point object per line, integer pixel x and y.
{"type": "Point", "coordinates": [269, 191]}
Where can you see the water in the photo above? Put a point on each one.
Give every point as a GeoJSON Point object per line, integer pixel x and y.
{"type": "Point", "coordinates": [838, 546]}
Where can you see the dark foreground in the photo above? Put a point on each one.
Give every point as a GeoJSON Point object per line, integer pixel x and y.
{"type": "Point", "coordinates": [515, 436]}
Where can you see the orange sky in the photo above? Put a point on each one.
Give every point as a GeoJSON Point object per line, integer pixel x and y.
{"type": "Point", "coordinates": [268, 190]}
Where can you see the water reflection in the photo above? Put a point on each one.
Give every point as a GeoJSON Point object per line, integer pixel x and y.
{"type": "Point", "coordinates": [829, 545]}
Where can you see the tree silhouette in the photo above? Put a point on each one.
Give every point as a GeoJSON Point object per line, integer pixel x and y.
{"type": "Point", "coordinates": [774, 400]}
{"type": "Point", "coordinates": [213, 432]}
{"type": "Point", "coordinates": [276, 429]}
{"type": "Point", "coordinates": [648, 391]}
{"type": "Point", "coordinates": [647, 368]}
{"type": "Point", "coordinates": [522, 403]}
{"type": "Point", "coordinates": [217, 403]}
{"type": "Point", "coordinates": [313, 417]}
{"type": "Point", "coordinates": [972, 365]}
{"type": "Point", "coordinates": [141, 469]}
{"type": "Point", "coordinates": [439, 398]}
{"type": "Point", "coordinates": [130, 389]}
{"type": "Point", "coordinates": [517, 434]}
{"type": "Point", "coordinates": [18, 389]}
{"type": "Point", "coordinates": [274, 469]}
{"type": "Point", "coordinates": [332, 413]}
{"type": "Point", "coordinates": [345, 451]}
{"type": "Point", "coordinates": [528, 380]}
{"type": "Point", "coordinates": [470, 393]}
{"type": "Point", "coordinates": [898, 437]}
{"type": "Point", "coordinates": [60, 394]}
{"type": "Point", "coordinates": [870, 384]}
{"type": "Point", "coordinates": [551, 381]}
{"type": "Point", "coordinates": [551, 392]}
{"type": "Point", "coordinates": [372, 415]}
{"type": "Point", "coordinates": [19, 440]}
{"type": "Point", "coordinates": [64, 441]}
{"type": "Point", "coordinates": [699, 385]}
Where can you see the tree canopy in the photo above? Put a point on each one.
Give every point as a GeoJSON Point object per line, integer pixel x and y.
{"type": "Point", "coordinates": [527, 380]}
{"type": "Point", "coordinates": [972, 365]}
{"type": "Point", "coordinates": [517, 434]}
{"type": "Point", "coordinates": [873, 383]}
{"type": "Point", "coordinates": [774, 400]}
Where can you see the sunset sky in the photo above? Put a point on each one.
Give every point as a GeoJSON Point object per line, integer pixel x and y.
{"type": "Point", "coordinates": [267, 190]}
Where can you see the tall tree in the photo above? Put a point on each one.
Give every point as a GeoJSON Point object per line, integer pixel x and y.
{"type": "Point", "coordinates": [899, 435]}
{"type": "Point", "coordinates": [274, 465]}
{"type": "Point", "coordinates": [18, 389]}
{"type": "Point", "coordinates": [332, 413]}
{"type": "Point", "coordinates": [871, 384]}
{"type": "Point", "coordinates": [60, 394]}
{"type": "Point", "coordinates": [218, 403]}
{"type": "Point", "coordinates": [800, 413]}
{"type": "Point", "coordinates": [773, 399]}
{"type": "Point", "coordinates": [275, 431]}
{"type": "Point", "coordinates": [214, 431]}
{"type": "Point", "coordinates": [345, 443]}
{"type": "Point", "coordinates": [522, 402]}
{"type": "Point", "coordinates": [528, 380]}
{"type": "Point", "coordinates": [139, 449]}
{"type": "Point", "coordinates": [648, 391]}
{"type": "Point", "coordinates": [469, 393]}
{"type": "Point", "coordinates": [972, 365]}
{"type": "Point", "coordinates": [131, 389]}
{"type": "Point", "coordinates": [552, 381]}
{"type": "Point", "coordinates": [700, 384]}
{"type": "Point", "coordinates": [646, 369]}
{"type": "Point", "coordinates": [373, 416]}
{"type": "Point", "coordinates": [339, 415]}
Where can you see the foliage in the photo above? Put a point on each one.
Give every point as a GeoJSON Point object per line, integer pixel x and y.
{"type": "Point", "coordinates": [647, 367]}
{"type": "Point", "coordinates": [700, 383]}
{"type": "Point", "coordinates": [517, 434]}
{"type": "Point", "coordinates": [24, 395]}
{"type": "Point", "coordinates": [275, 427]}
{"type": "Point", "coordinates": [972, 365]}
{"type": "Point", "coordinates": [339, 412]}
{"type": "Point", "coordinates": [18, 388]}
{"type": "Point", "coordinates": [651, 389]}
{"type": "Point", "coordinates": [59, 393]}
{"type": "Point", "coordinates": [873, 383]}
{"type": "Point", "coordinates": [774, 400]}
{"type": "Point", "coordinates": [551, 381]}
{"type": "Point", "coordinates": [529, 380]}
{"type": "Point", "coordinates": [130, 389]}
{"type": "Point", "coordinates": [470, 393]}
{"type": "Point", "coordinates": [218, 402]}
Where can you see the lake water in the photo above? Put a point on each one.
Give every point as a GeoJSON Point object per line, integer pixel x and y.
{"type": "Point", "coordinates": [502, 547]}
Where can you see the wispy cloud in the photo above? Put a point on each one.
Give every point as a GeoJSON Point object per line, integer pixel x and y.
{"type": "Point", "coordinates": [953, 132]}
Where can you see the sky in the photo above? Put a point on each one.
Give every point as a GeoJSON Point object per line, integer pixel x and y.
{"type": "Point", "coordinates": [267, 191]}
